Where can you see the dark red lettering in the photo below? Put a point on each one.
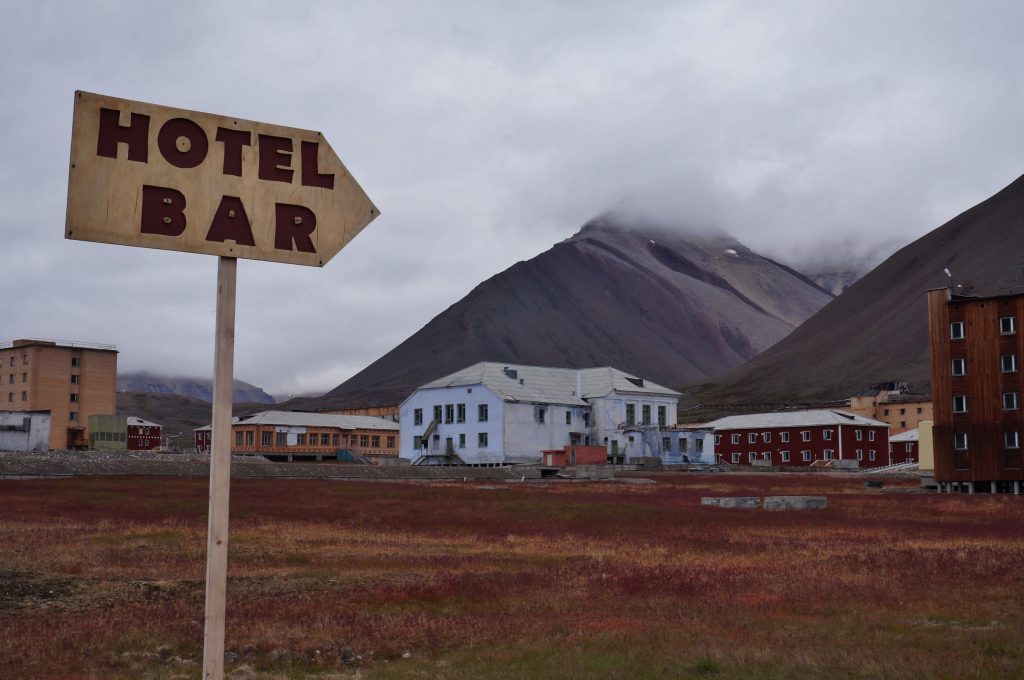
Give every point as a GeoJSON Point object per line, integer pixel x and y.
{"type": "Point", "coordinates": [163, 211]}
{"type": "Point", "coordinates": [112, 133]}
{"type": "Point", "coordinates": [275, 152]}
{"type": "Point", "coordinates": [294, 223]}
{"type": "Point", "coordinates": [231, 223]}
{"type": "Point", "coordinates": [311, 176]}
{"type": "Point", "coordinates": [182, 143]}
{"type": "Point", "coordinates": [233, 141]}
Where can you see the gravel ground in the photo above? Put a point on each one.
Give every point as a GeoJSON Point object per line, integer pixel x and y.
{"type": "Point", "coordinates": [77, 463]}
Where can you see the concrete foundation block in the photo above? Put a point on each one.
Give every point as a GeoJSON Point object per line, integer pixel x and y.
{"type": "Point", "coordinates": [795, 502]}
{"type": "Point", "coordinates": [745, 502]}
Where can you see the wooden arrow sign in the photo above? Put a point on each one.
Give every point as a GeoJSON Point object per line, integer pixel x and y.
{"type": "Point", "coordinates": [158, 177]}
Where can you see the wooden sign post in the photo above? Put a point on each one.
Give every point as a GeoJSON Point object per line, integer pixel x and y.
{"type": "Point", "coordinates": [156, 177]}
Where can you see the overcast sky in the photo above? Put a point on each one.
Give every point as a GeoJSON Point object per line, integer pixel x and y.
{"type": "Point", "coordinates": [485, 132]}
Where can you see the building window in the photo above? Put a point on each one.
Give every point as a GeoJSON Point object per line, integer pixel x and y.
{"type": "Point", "coordinates": [860, 454]}
{"type": "Point", "coordinates": [903, 411]}
{"type": "Point", "coordinates": [698, 445]}
{"type": "Point", "coordinates": [568, 416]}
{"type": "Point", "coordinates": [335, 440]}
{"type": "Point", "coordinates": [481, 440]}
{"type": "Point", "coordinates": [73, 416]}
{"type": "Point", "coordinates": [909, 447]}
{"type": "Point", "coordinates": [718, 440]}
{"type": "Point", "coordinates": [10, 379]}
{"type": "Point", "coordinates": [266, 438]}
{"type": "Point", "coordinates": [24, 396]}
{"type": "Point", "coordinates": [437, 413]}
{"type": "Point", "coordinates": [960, 441]}
{"type": "Point", "coordinates": [250, 437]}
{"type": "Point", "coordinates": [375, 441]}
{"type": "Point", "coordinates": [586, 419]}
{"type": "Point", "coordinates": [752, 438]}
{"type": "Point", "coordinates": [956, 330]}
{"type": "Point", "coordinates": [74, 380]}
{"type": "Point", "coordinates": [805, 435]}
{"type": "Point", "coordinates": [1008, 362]}
{"type": "Point", "coordinates": [1010, 401]}
{"type": "Point", "coordinates": [666, 443]}
{"type": "Point", "coordinates": [540, 414]}
{"type": "Point", "coordinates": [920, 410]}
{"type": "Point", "coordinates": [417, 416]}
{"type": "Point", "coordinates": [959, 403]}
{"type": "Point", "coordinates": [460, 413]}
{"type": "Point", "coordinates": [828, 454]}
{"type": "Point", "coordinates": [859, 434]}
{"type": "Point", "coordinates": [74, 398]}
{"type": "Point", "coordinates": [735, 439]}
{"type": "Point", "coordinates": [645, 412]}
{"type": "Point", "coordinates": [630, 414]}
{"type": "Point", "coordinates": [75, 362]}
{"type": "Point", "coordinates": [684, 445]}
{"type": "Point", "coordinates": [462, 440]}
{"type": "Point", "coordinates": [766, 436]}
{"type": "Point", "coordinates": [391, 441]}
{"type": "Point", "coordinates": [24, 377]}
{"type": "Point", "coordinates": [784, 437]}
{"type": "Point", "coordinates": [1008, 325]}
{"type": "Point", "coordinates": [281, 439]}
{"type": "Point", "coordinates": [1012, 440]}
{"type": "Point", "coordinates": [806, 455]}
{"type": "Point", "coordinates": [364, 440]}
{"type": "Point", "coordinates": [766, 455]}
{"type": "Point", "coordinates": [449, 413]}
{"type": "Point", "coordinates": [325, 439]}
{"type": "Point", "coordinates": [24, 360]}
{"type": "Point", "coordinates": [871, 435]}
{"type": "Point", "coordinates": [751, 456]}
{"type": "Point", "coordinates": [300, 438]}
{"type": "Point", "coordinates": [12, 362]}
{"type": "Point", "coordinates": [238, 439]}
{"type": "Point", "coordinates": [735, 458]}
{"type": "Point", "coordinates": [885, 412]}
{"type": "Point", "coordinates": [10, 396]}
{"type": "Point", "coordinates": [871, 454]}
{"type": "Point", "coordinates": [785, 456]}
{"type": "Point", "coordinates": [417, 442]}
{"type": "Point", "coordinates": [662, 416]}
{"type": "Point", "coordinates": [827, 434]}
{"type": "Point", "coordinates": [959, 367]}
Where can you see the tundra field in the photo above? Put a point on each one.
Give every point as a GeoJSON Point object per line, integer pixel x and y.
{"type": "Point", "coordinates": [102, 577]}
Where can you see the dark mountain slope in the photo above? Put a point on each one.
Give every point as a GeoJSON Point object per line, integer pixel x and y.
{"type": "Point", "coordinates": [877, 329]}
{"type": "Point", "coordinates": [196, 388]}
{"type": "Point", "coordinates": [674, 307]}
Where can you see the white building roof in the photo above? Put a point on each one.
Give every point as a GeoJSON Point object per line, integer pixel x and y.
{"type": "Point", "coordinates": [139, 422]}
{"type": "Point", "coordinates": [908, 436]}
{"type": "Point", "coordinates": [544, 385]}
{"type": "Point", "coordinates": [754, 421]}
{"type": "Point", "coordinates": [306, 419]}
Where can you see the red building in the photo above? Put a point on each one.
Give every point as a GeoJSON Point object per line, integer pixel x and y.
{"type": "Point", "coordinates": [575, 455]}
{"type": "Point", "coordinates": [801, 438]}
{"type": "Point", "coordinates": [142, 435]}
{"type": "Point", "coordinates": [976, 351]}
{"type": "Point", "coordinates": [903, 447]}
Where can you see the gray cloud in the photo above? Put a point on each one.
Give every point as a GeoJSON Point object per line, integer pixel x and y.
{"type": "Point", "coordinates": [487, 132]}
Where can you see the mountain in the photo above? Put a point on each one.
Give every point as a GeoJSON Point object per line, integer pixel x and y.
{"type": "Point", "coordinates": [672, 306]}
{"type": "Point", "coordinates": [197, 388]}
{"type": "Point", "coordinates": [876, 331]}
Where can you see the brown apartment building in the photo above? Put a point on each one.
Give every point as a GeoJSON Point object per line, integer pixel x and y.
{"type": "Point", "coordinates": [893, 403]}
{"type": "Point", "coordinates": [71, 380]}
{"type": "Point", "coordinates": [976, 351]}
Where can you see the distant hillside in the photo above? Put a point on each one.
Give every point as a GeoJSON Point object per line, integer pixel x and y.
{"type": "Point", "coordinates": [877, 331]}
{"type": "Point", "coordinates": [174, 412]}
{"type": "Point", "coordinates": [197, 388]}
{"type": "Point", "coordinates": [665, 304]}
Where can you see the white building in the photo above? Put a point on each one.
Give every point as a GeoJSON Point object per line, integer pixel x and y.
{"type": "Point", "coordinates": [24, 430]}
{"type": "Point", "coordinates": [492, 413]}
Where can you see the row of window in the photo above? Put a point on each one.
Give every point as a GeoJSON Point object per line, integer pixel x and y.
{"type": "Point", "coordinates": [1007, 326]}
{"type": "Point", "coordinates": [903, 411]}
{"type": "Point", "coordinates": [11, 377]}
{"type": "Point", "coordinates": [24, 360]}
{"type": "Point", "coordinates": [247, 437]}
{"type": "Point", "coordinates": [645, 415]}
{"type": "Point", "coordinates": [481, 441]}
{"type": "Point", "coordinates": [684, 444]}
{"type": "Point", "coordinates": [451, 413]}
{"type": "Point", "coordinates": [805, 435]}
{"type": "Point", "coordinates": [1011, 440]}
{"type": "Point", "coordinates": [1011, 402]}
{"type": "Point", "coordinates": [1007, 363]}
{"type": "Point", "coordinates": [806, 456]}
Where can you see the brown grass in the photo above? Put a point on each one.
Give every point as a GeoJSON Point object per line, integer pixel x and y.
{"type": "Point", "coordinates": [102, 577]}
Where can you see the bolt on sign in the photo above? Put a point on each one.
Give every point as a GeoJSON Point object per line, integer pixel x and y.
{"type": "Point", "coordinates": [158, 177]}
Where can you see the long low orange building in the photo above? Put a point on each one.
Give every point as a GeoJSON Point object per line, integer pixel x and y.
{"type": "Point", "coordinates": [296, 435]}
